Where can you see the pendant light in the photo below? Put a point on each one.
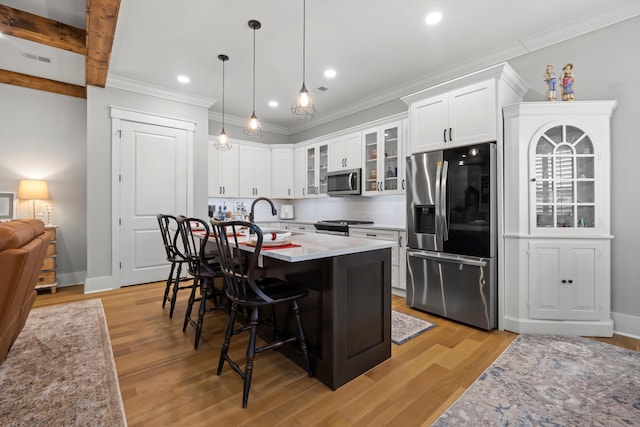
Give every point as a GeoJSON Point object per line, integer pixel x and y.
{"type": "Point", "coordinates": [222, 142]}
{"type": "Point", "coordinates": [253, 128]}
{"type": "Point", "coordinates": [303, 107]}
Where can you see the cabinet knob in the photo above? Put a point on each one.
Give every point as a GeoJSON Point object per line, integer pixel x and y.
{"type": "Point", "coordinates": [450, 134]}
{"type": "Point", "coordinates": [563, 281]}
{"type": "Point", "coordinates": [444, 135]}
{"type": "Point", "coordinates": [570, 281]}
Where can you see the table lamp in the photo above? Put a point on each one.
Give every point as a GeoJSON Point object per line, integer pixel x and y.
{"type": "Point", "coordinates": [30, 189]}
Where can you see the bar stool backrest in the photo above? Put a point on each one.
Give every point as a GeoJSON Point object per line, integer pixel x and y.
{"type": "Point", "coordinates": [240, 266]}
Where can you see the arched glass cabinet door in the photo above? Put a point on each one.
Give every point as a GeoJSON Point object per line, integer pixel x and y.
{"type": "Point", "coordinates": [564, 179]}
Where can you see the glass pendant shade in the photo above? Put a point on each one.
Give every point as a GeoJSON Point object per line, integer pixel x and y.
{"type": "Point", "coordinates": [254, 129]}
{"type": "Point", "coordinates": [303, 107]}
{"type": "Point", "coordinates": [222, 141]}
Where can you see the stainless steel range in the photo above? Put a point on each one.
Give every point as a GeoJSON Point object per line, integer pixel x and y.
{"type": "Point", "coordinates": [339, 227]}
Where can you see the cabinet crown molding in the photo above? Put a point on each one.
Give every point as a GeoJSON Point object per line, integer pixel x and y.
{"type": "Point", "coordinates": [548, 108]}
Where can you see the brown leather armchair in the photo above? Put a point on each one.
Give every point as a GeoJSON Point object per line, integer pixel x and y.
{"type": "Point", "coordinates": [23, 244]}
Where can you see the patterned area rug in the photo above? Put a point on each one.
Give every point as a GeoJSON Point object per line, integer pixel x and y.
{"type": "Point", "coordinates": [543, 380]}
{"type": "Point", "coordinates": [405, 327]}
{"type": "Point", "coordinates": [60, 371]}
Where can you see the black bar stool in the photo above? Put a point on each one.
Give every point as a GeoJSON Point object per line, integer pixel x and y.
{"type": "Point", "coordinates": [169, 231]}
{"type": "Point", "coordinates": [248, 292]}
{"type": "Point", "coordinates": [204, 267]}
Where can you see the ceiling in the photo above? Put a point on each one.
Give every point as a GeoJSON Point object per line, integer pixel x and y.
{"type": "Point", "coordinates": [380, 49]}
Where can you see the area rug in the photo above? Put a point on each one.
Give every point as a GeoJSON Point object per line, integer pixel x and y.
{"type": "Point", "coordinates": [60, 371]}
{"type": "Point", "coordinates": [543, 380]}
{"type": "Point", "coordinates": [404, 327]}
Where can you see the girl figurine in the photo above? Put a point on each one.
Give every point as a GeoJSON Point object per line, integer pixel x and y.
{"type": "Point", "coordinates": [568, 81]}
{"type": "Point", "coordinates": [551, 81]}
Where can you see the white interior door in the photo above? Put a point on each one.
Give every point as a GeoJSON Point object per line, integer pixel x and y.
{"type": "Point", "coordinates": [153, 180]}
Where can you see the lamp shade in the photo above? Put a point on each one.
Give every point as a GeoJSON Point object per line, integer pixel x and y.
{"type": "Point", "coordinates": [30, 189]}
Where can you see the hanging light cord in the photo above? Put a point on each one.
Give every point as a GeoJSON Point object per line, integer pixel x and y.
{"type": "Point", "coordinates": [223, 61]}
{"type": "Point", "coordinates": [254, 70]}
{"type": "Point", "coordinates": [304, 40]}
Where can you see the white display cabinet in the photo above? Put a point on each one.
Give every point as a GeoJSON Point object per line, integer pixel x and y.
{"type": "Point", "coordinates": [557, 218]}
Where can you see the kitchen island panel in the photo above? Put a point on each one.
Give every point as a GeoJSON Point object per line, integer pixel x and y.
{"type": "Point", "coordinates": [346, 316]}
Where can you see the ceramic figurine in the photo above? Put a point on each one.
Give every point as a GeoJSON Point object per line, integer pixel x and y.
{"type": "Point", "coordinates": [568, 81]}
{"type": "Point", "coordinates": [551, 80]}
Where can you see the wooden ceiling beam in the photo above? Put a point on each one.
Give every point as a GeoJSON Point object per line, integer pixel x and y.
{"type": "Point", "coordinates": [102, 16]}
{"type": "Point", "coordinates": [39, 83]}
{"type": "Point", "coordinates": [42, 30]}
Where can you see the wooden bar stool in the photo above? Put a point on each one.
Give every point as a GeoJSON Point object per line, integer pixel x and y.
{"type": "Point", "coordinates": [204, 267]}
{"type": "Point", "coordinates": [170, 234]}
{"type": "Point", "coordinates": [248, 292]}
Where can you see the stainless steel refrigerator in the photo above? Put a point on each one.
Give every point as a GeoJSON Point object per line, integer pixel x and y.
{"type": "Point", "coordinates": [451, 233]}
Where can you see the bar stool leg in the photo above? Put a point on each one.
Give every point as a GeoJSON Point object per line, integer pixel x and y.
{"type": "Point", "coordinates": [301, 340]}
{"type": "Point", "coordinates": [227, 337]}
{"type": "Point", "coordinates": [192, 298]}
{"type": "Point", "coordinates": [174, 293]}
{"type": "Point", "coordinates": [168, 286]}
{"type": "Point", "coordinates": [203, 302]}
{"type": "Point", "coordinates": [251, 354]}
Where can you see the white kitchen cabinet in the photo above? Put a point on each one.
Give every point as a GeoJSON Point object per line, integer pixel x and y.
{"type": "Point", "coordinates": [383, 160]}
{"type": "Point", "coordinates": [346, 152]}
{"type": "Point", "coordinates": [462, 111]}
{"type": "Point", "coordinates": [254, 171]}
{"type": "Point", "coordinates": [223, 170]}
{"type": "Point", "coordinates": [282, 172]}
{"type": "Point", "coordinates": [565, 278]}
{"type": "Point", "coordinates": [299, 172]}
{"type": "Point", "coordinates": [460, 117]}
{"type": "Point", "coordinates": [557, 217]}
{"type": "Point", "coordinates": [398, 253]}
{"type": "Point", "coordinates": [311, 164]}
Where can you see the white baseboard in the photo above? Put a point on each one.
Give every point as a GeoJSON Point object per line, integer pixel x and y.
{"type": "Point", "coordinates": [98, 284]}
{"type": "Point", "coordinates": [627, 325]}
{"type": "Point", "coordinates": [559, 327]}
{"type": "Point", "coordinates": [70, 279]}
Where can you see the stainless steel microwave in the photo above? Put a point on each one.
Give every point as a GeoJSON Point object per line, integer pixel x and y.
{"type": "Point", "coordinates": [344, 182]}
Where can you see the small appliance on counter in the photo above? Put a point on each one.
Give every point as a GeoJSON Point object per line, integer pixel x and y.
{"type": "Point", "coordinates": [286, 212]}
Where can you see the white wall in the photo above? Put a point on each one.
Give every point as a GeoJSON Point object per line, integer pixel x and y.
{"type": "Point", "coordinates": [99, 274]}
{"type": "Point", "coordinates": [43, 136]}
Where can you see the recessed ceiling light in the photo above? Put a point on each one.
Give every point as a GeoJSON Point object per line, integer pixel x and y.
{"type": "Point", "coordinates": [273, 104]}
{"type": "Point", "coordinates": [330, 73]}
{"type": "Point", "coordinates": [184, 79]}
{"type": "Point", "coordinates": [433, 18]}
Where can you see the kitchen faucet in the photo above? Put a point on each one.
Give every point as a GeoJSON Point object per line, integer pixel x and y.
{"type": "Point", "coordinates": [274, 212]}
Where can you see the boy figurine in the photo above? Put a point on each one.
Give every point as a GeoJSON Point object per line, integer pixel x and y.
{"type": "Point", "coordinates": [568, 81]}
{"type": "Point", "coordinates": [551, 81]}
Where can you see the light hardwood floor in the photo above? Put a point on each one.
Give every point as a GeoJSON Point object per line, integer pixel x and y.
{"type": "Point", "coordinates": [165, 382]}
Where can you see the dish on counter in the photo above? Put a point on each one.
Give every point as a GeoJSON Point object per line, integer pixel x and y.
{"type": "Point", "coordinates": [267, 243]}
{"type": "Point", "coordinates": [273, 235]}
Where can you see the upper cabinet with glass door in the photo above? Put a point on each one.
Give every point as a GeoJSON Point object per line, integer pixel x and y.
{"type": "Point", "coordinates": [383, 166]}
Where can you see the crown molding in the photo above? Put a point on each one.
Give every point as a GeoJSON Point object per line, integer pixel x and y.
{"type": "Point", "coordinates": [119, 82]}
{"type": "Point", "coordinates": [242, 122]}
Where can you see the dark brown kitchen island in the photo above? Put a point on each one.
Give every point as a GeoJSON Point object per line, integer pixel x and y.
{"type": "Point", "coordinates": [347, 314]}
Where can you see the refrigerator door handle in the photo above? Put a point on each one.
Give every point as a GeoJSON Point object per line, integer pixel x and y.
{"type": "Point", "coordinates": [456, 259]}
{"type": "Point", "coordinates": [438, 208]}
{"type": "Point", "coordinates": [443, 200]}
